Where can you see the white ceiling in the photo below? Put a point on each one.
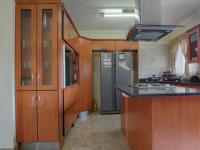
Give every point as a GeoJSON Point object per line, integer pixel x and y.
{"type": "Point", "coordinates": [85, 17]}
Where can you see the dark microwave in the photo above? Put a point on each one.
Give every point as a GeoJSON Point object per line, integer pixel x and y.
{"type": "Point", "coordinates": [71, 66]}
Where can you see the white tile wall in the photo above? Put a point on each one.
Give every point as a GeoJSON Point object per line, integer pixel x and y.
{"type": "Point", "coordinates": [154, 58]}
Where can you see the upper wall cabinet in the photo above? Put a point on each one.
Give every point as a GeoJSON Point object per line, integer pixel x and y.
{"type": "Point", "coordinates": [194, 44]}
{"type": "Point", "coordinates": [47, 47]}
{"type": "Point", "coordinates": [36, 72]}
{"type": "Point", "coordinates": [65, 27]}
{"type": "Point", "coordinates": [114, 45]}
{"type": "Point", "coordinates": [125, 45]}
{"type": "Point", "coordinates": [69, 33]}
{"type": "Point", "coordinates": [26, 47]}
{"type": "Point", "coordinates": [36, 1]}
{"type": "Point", "coordinates": [103, 45]}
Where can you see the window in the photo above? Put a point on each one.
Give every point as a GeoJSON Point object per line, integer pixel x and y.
{"type": "Point", "coordinates": [180, 62]}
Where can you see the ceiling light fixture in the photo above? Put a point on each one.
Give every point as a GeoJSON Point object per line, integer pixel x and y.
{"type": "Point", "coordinates": [119, 12]}
{"type": "Point", "coordinates": [113, 10]}
{"type": "Point", "coordinates": [119, 15]}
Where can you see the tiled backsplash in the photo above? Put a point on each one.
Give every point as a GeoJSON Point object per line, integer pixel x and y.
{"type": "Point", "coordinates": [153, 59]}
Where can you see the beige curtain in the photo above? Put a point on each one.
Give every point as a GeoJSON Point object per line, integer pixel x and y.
{"type": "Point", "coordinates": [174, 49]}
{"type": "Point", "coordinates": [184, 44]}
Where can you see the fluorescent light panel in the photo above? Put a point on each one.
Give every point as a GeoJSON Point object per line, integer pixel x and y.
{"type": "Point", "coordinates": [119, 15]}
{"type": "Point", "coordinates": [118, 12]}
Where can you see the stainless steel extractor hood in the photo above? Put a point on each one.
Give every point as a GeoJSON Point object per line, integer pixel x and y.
{"type": "Point", "coordinates": [149, 32]}
{"type": "Point", "coordinates": [149, 26]}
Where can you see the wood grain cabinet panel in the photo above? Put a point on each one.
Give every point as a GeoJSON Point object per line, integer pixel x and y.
{"type": "Point", "coordinates": [71, 95]}
{"type": "Point", "coordinates": [26, 116]}
{"type": "Point", "coordinates": [26, 47]}
{"type": "Point", "coordinates": [162, 123]}
{"type": "Point", "coordinates": [65, 27]}
{"type": "Point", "coordinates": [47, 68]}
{"type": "Point", "coordinates": [103, 45]}
{"type": "Point", "coordinates": [125, 45]}
{"type": "Point", "coordinates": [85, 49]}
{"type": "Point", "coordinates": [47, 115]}
{"type": "Point", "coordinates": [72, 36]}
{"type": "Point", "coordinates": [193, 37]}
{"type": "Point", "coordinates": [36, 1]}
{"type": "Point", "coordinates": [71, 99]}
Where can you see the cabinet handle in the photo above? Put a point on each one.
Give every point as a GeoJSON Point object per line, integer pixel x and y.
{"type": "Point", "coordinates": [38, 77]}
{"type": "Point", "coordinates": [33, 100]}
{"type": "Point", "coordinates": [39, 100]}
{"type": "Point", "coordinates": [125, 95]}
{"type": "Point", "coordinates": [32, 78]}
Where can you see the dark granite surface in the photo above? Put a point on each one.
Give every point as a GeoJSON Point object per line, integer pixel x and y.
{"type": "Point", "coordinates": [163, 90]}
{"type": "Point", "coordinates": [185, 82]}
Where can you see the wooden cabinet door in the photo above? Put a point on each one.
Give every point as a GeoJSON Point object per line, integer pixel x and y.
{"type": "Point", "coordinates": [85, 74]}
{"type": "Point", "coordinates": [65, 27]}
{"type": "Point", "coordinates": [194, 45]}
{"type": "Point", "coordinates": [26, 116]}
{"type": "Point", "coordinates": [103, 45]}
{"type": "Point", "coordinates": [47, 116]}
{"type": "Point", "coordinates": [25, 47]}
{"type": "Point", "coordinates": [47, 47]}
{"type": "Point", "coordinates": [125, 45]}
{"type": "Point", "coordinates": [72, 36]}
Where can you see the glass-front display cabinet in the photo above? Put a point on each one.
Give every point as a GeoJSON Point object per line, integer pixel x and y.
{"type": "Point", "coordinates": [36, 47]}
{"type": "Point", "coordinates": [194, 45]}
{"type": "Point", "coordinates": [26, 47]}
{"type": "Point", "coordinates": [47, 47]}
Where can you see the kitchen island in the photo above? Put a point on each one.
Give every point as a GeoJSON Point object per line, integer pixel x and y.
{"type": "Point", "coordinates": [161, 117]}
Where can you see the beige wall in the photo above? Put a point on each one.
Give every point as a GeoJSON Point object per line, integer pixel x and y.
{"type": "Point", "coordinates": [7, 90]}
{"type": "Point", "coordinates": [154, 58]}
{"type": "Point", "coordinates": [188, 23]}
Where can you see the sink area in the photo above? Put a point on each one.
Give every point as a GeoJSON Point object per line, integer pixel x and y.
{"type": "Point", "coordinates": [156, 86]}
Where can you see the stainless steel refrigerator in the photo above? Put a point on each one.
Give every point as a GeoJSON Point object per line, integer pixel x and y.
{"type": "Point", "coordinates": [116, 69]}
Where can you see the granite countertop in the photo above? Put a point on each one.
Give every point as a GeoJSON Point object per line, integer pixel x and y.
{"type": "Point", "coordinates": [182, 82]}
{"type": "Point", "coordinates": [162, 90]}
{"type": "Point", "coordinates": [185, 82]}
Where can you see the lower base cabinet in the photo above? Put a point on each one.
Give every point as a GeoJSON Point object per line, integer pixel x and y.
{"type": "Point", "coordinates": [37, 116]}
{"type": "Point", "coordinates": [26, 116]}
{"type": "Point", "coordinates": [70, 117]}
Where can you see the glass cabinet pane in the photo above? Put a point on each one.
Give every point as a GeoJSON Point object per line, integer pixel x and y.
{"type": "Point", "coordinates": [47, 47]}
{"type": "Point", "coordinates": [26, 50]}
{"type": "Point", "coordinates": [193, 45]}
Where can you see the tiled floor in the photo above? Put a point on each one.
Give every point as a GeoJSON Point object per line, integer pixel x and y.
{"type": "Point", "coordinates": [99, 132]}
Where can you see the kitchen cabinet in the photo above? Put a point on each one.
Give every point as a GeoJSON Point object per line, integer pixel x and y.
{"type": "Point", "coordinates": [26, 116]}
{"type": "Point", "coordinates": [47, 116]}
{"type": "Point", "coordinates": [65, 27]}
{"type": "Point", "coordinates": [36, 56]}
{"type": "Point", "coordinates": [85, 49]}
{"type": "Point", "coordinates": [47, 47]}
{"type": "Point", "coordinates": [26, 47]}
{"type": "Point", "coordinates": [194, 44]}
{"type": "Point", "coordinates": [114, 45]}
{"type": "Point", "coordinates": [70, 34]}
{"type": "Point", "coordinates": [32, 116]}
{"type": "Point", "coordinates": [37, 72]}
{"type": "Point", "coordinates": [108, 45]}
{"type": "Point", "coordinates": [125, 45]}
{"type": "Point", "coordinates": [162, 122]}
